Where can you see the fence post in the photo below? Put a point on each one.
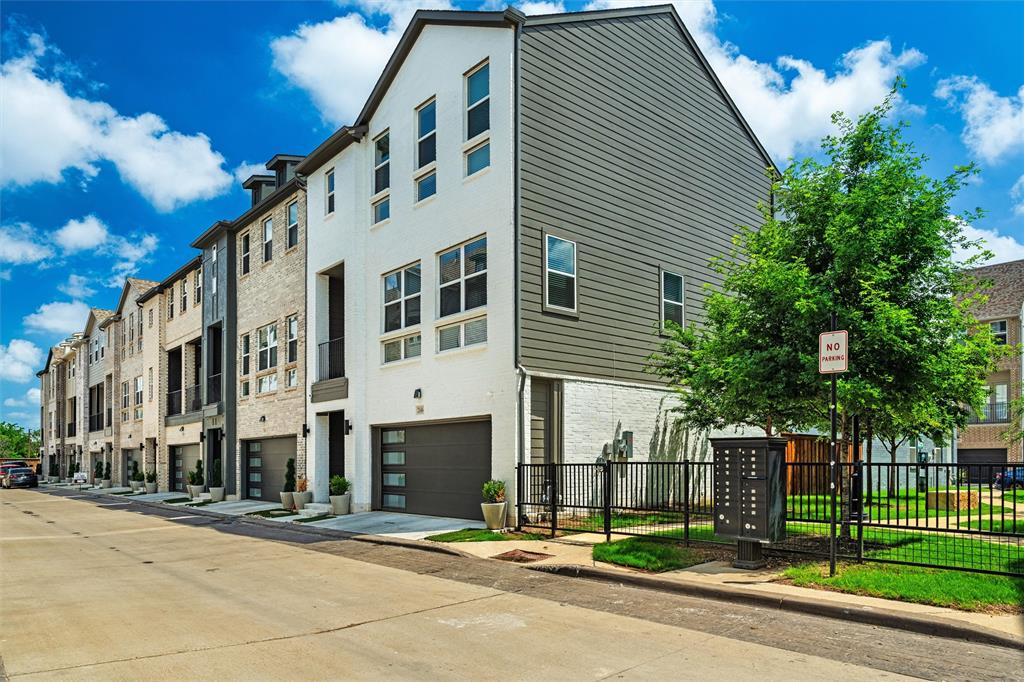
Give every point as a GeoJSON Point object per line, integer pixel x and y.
{"type": "Point", "coordinates": [554, 499]}
{"type": "Point", "coordinates": [519, 497]}
{"type": "Point", "coordinates": [860, 515]}
{"type": "Point", "coordinates": [686, 501]}
{"type": "Point", "coordinates": [606, 472]}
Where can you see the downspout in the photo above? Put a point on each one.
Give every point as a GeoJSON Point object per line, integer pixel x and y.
{"type": "Point", "coordinates": [517, 21]}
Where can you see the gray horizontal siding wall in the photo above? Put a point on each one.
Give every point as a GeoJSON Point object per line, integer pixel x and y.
{"type": "Point", "coordinates": [628, 148]}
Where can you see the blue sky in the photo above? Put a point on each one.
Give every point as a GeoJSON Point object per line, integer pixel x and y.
{"type": "Point", "coordinates": [127, 127]}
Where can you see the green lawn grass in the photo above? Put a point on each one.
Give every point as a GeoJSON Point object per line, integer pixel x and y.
{"type": "Point", "coordinates": [649, 555]}
{"type": "Point", "coordinates": [595, 522]}
{"type": "Point", "coordinates": [482, 535]}
{"type": "Point", "coordinates": [953, 589]}
{"type": "Point", "coordinates": [901, 505]}
{"type": "Point", "coordinates": [997, 525]}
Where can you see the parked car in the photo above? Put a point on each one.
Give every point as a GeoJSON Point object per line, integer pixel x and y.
{"type": "Point", "coordinates": [1008, 479]}
{"type": "Point", "coordinates": [21, 477]}
{"type": "Point", "coordinates": [7, 466]}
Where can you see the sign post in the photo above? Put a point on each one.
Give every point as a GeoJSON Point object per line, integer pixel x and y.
{"type": "Point", "coordinates": [833, 358]}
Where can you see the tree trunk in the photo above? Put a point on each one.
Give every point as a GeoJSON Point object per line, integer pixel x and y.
{"type": "Point", "coordinates": [867, 463]}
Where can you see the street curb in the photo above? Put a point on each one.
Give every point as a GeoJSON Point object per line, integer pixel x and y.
{"type": "Point", "coordinates": [921, 624]}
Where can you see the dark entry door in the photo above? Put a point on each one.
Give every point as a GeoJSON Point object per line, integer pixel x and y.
{"type": "Point", "coordinates": [336, 443]}
{"type": "Point", "coordinates": [438, 469]}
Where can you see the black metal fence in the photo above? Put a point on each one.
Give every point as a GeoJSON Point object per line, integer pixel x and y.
{"type": "Point", "coordinates": [331, 359]}
{"type": "Point", "coordinates": [953, 516]}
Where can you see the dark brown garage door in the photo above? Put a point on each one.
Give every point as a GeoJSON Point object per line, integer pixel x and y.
{"type": "Point", "coordinates": [266, 461]}
{"type": "Point", "coordinates": [982, 464]}
{"type": "Point", "coordinates": [437, 469]}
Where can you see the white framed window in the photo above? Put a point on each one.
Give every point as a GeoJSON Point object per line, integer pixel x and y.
{"type": "Point", "coordinates": [381, 210]}
{"type": "Point", "coordinates": [245, 389]}
{"type": "Point", "coordinates": [381, 176]}
{"type": "Point", "coordinates": [268, 240]}
{"type": "Point", "coordinates": [293, 224]}
{"type": "Point", "coordinates": [292, 328]}
{"type": "Point", "coordinates": [426, 186]}
{"type": "Point", "coordinates": [672, 298]}
{"type": "Point", "coordinates": [199, 286]}
{"type": "Point", "coordinates": [462, 277]}
{"type": "Point", "coordinates": [245, 253]}
{"type": "Point", "coordinates": [266, 346]}
{"type": "Point", "coordinates": [999, 331]}
{"type": "Point", "coordinates": [184, 294]}
{"type": "Point", "coordinates": [426, 133]}
{"type": "Point", "coordinates": [329, 192]}
{"type": "Point", "coordinates": [244, 366]}
{"type": "Point", "coordinates": [291, 378]}
{"type": "Point", "coordinates": [125, 395]}
{"type": "Point", "coordinates": [138, 390]}
{"type": "Point", "coordinates": [478, 158]}
{"type": "Point", "coordinates": [150, 384]}
{"type": "Point", "coordinates": [402, 349]}
{"type": "Point", "coordinates": [266, 383]}
{"type": "Point", "coordinates": [478, 118]}
{"type": "Point", "coordinates": [214, 273]}
{"type": "Point", "coordinates": [559, 273]}
{"type": "Point", "coordinates": [402, 298]}
{"type": "Point", "coordinates": [151, 318]}
{"type": "Point", "coordinates": [170, 305]}
{"type": "Point", "coordinates": [464, 334]}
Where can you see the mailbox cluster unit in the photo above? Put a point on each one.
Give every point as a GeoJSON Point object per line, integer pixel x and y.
{"type": "Point", "coordinates": [750, 488]}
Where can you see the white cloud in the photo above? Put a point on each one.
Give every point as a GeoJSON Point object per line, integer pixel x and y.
{"type": "Point", "coordinates": [1017, 194]}
{"type": "Point", "coordinates": [77, 287]}
{"type": "Point", "coordinates": [29, 399]}
{"type": "Point", "coordinates": [130, 253]}
{"type": "Point", "coordinates": [58, 317]}
{"type": "Point", "coordinates": [541, 7]}
{"type": "Point", "coordinates": [76, 235]}
{"type": "Point", "coordinates": [48, 131]}
{"type": "Point", "coordinates": [19, 245]}
{"type": "Point", "coordinates": [19, 360]}
{"type": "Point", "coordinates": [1005, 247]}
{"type": "Point", "coordinates": [246, 170]}
{"type": "Point", "coordinates": [338, 61]}
{"type": "Point", "coordinates": [993, 125]}
{"type": "Point", "coordinates": [789, 102]}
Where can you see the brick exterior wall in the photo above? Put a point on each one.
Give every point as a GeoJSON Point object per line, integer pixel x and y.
{"type": "Point", "coordinates": [270, 293]}
{"type": "Point", "coordinates": [175, 333]}
{"type": "Point", "coordinates": [990, 435]}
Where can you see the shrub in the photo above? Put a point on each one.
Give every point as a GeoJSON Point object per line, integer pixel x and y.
{"type": "Point", "coordinates": [215, 481]}
{"type": "Point", "coordinates": [106, 471]}
{"type": "Point", "coordinates": [195, 477]}
{"type": "Point", "coordinates": [289, 476]}
{"type": "Point", "coordinates": [98, 469]}
{"type": "Point", "coordinates": [494, 491]}
{"type": "Point", "coordinates": [137, 475]}
{"type": "Point", "coordinates": [301, 485]}
{"type": "Point", "coordinates": [339, 485]}
{"type": "Point", "coordinates": [150, 477]}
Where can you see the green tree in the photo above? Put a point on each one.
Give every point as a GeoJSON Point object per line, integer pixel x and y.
{"type": "Point", "coordinates": [867, 234]}
{"type": "Point", "coordinates": [18, 442]}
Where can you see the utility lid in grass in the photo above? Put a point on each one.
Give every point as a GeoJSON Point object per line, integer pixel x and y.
{"type": "Point", "coordinates": [521, 556]}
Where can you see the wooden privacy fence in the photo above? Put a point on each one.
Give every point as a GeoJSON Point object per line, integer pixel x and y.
{"type": "Point", "coordinates": [806, 448]}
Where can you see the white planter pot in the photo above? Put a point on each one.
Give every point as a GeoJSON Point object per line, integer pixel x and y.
{"type": "Point", "coordinates": [286, 500]}
{"type": "Point", "coordinates": [194, 491]}
{"type": "Point", "coordinates": [217, 494]}
{"type": "Point", "coordinates": [151, 487]}
{"type": "Point", "coordinates": [341, 504]}
{"type": "Point", "coordinates": [105, 483]}
{"type": "Point", "coordinates": [302, 499]}
{"type": "Point", "coordinates": [136, 485]}
{"type": "Point", "coordinates": [494, 514]}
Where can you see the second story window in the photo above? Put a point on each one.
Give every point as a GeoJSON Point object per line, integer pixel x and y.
{"type": "Point", "coordinates": [293, 224]}
{"type": "Point", "coordinates": [199, 286]}
{"type": "Point", "coordinates": [213, 274]}
{"type": "Point", "coordinates": [266, 344]}
{"type": "Point", "coordinates": [402, 298]}
{"type": "Point", "coordinates": [245, 355]}
{"type": "Point", "coordinates": [268, 240]}
{"type": "Point", "coordinates": [138, 390]}
{"type": "Point", "coordinates": [151, 318]}
{"type": "Point", "coordinates": [463, 277]}
{"type": "Point", "coordinates": [245, 253]}
{"type": "Point", "coordinates": [329, 192]}
{"type": "Point", "coordinates": [426, 138]}
{"type": "Point", "coordinates": [124, 395]}
{"type": "Point", "coordinates": [150, 397]}
{"type": "Point", "coordinates": [293, 339]}
{"type": "Point", "coordinates": [170, 305]}
{"type": "Point", "coordinates": [999, 331]}
{"type": "Point", "coordinates": [560, 273]}
{"type": "Point", "coordinates": [671, 298]}
{"type": "Point", "coordinates": [478, 119]}
{"type": "Point", "coordinates": [381, 177]}
{"type": "Point", "coordinates": [184, 294]}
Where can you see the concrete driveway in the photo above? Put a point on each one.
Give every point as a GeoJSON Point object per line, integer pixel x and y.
{"type": "Point", "coordinates": [408, 526]}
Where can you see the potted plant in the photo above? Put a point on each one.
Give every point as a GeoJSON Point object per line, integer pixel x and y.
{"type": "Point", "coordinates": [287, 501]}
{"type": "Point", "coordinates": [196, 480]}
{"type": "Point", "coordinates": [150, 482]}
{"type": "Point", "coordinates": [216, 485]}
{"type": "Point", "coordinates": [97, 474]}
{"type": "Point", "coordinates": [341, 498]}
{"type": "Point", "coordinates": [301, 497]}
{"type": "Point", "coordinates": [493, 505]}
{"type": "Point", "coordinates": [137, 477]}
{"type": "Point", "coordinates": [106, 480]}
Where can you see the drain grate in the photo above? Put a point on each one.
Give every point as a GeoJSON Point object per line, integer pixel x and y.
{"type": "Point", "coordinates": [521, 556]}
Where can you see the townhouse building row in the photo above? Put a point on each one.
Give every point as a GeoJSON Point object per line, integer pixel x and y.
{"type": "Point", "coordinates": [469, 276]}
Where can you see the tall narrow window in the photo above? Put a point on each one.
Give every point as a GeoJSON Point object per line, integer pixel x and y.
{"type": "Point", "coordinates": [214, 273]}
{"type": "Point", "coordinates": [199, 286]}
{"type": "Point", "coordinates": [671, 298]}
{"type": "Point", "coordinates": [138, 390]}
{"type": "Point", "coordinates": [426, 138]}
{"type": "Point", "coordinates": [184, 294]}
{"type": "Point", "coordinates": [402, 298]}
{"type": "Point", "coordinates": [478, 101]}
{"type": "Point", "coordinates": [124, 395]}
{"type": "Point", "coordinates": [245, 354]}
{"type": "Point", "coordinates": [999, 331]}
{"type": "Point", "coordinates": [170, 305]}
{"type": "Point", "coordinates": [268, 240]}
{"type": "Point", "coordinates": [245, 253]}
{"type": "Point", "coordinates": [266, 340]}
{"type": "Point", "coordinates": [151, 318]}
{"type": "Point", "coordinates": [382, 177]}
{"type": "Point", "coordinates": [329, 192]}
{"type": "Point", "coordinates": [463, 277]}
{"type": "Point", "coordinates": [293, 224]}
{"type": "Point", "coordinates": [293, 339]}
{"type": "Point", "coordinates": [150, 397]}
{"type": "Point", "coordinates": [560, 273]}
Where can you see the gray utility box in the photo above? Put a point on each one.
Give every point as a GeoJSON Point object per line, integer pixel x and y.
{"type": "Point", "coordinates": [750, 488]}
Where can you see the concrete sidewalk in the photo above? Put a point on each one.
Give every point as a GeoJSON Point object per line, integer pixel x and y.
{"type": "Point", "coordinates": [719, 576]}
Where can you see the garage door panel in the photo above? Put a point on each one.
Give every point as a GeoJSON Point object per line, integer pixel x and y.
{"type": "Point", "coordinates": [266, 463]}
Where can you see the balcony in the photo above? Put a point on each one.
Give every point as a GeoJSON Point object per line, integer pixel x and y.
{"type": "Point", "coordinates": [213, 389]}
{"type": "Point", "coordinates": [193, 398]}
{"type": "Point", "coordinates": [96, 422]}
{"type": "Point", "coordinates": [71, 430]}
{"type": "Point", "coordinates": [992, 413]}
{"type": "Point", "coordinates": [331, 359]}
{"type": "Point", "coordinates": [174, 402]}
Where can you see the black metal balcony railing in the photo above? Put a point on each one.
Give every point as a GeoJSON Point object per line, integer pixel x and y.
{"type": "Point", "coordinates": [331, 359]}
{"type": "Point", "coordinates": [992, 412]}
{"type": "Point", "coordinates": [71, 430]}
{"type": "Point", "coordinates": [212, 389]}
{"type": "Point", "coordinates": [173, 402]}
{"type": "Point", "coordinates": [95, 422]}
{"type": "Point", "coordinates": [193, 398]}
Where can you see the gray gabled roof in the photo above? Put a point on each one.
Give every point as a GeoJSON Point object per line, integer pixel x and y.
{"type": "Point", "coordinates": [346, 135]}
{"type": "Point", "coordinates": [1005, 291]}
